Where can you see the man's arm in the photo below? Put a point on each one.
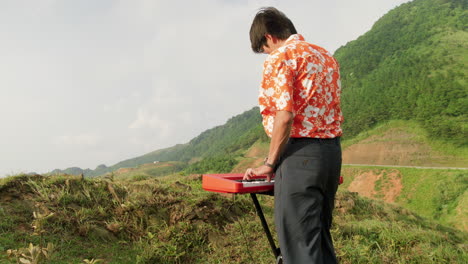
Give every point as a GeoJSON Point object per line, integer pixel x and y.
{"type": "Point", "coordinates": [281, 132]}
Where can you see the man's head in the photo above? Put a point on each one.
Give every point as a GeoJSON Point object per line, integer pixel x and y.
{"type": "Point", "coordinates": [269, 23]}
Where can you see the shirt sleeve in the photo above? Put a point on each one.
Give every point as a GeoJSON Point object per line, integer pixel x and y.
{"type": "Point", "coordinates": [278, 83]}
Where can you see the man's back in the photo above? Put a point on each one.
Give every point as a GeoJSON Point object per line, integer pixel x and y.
{"type": "Point", "coordinates": [304, 79]}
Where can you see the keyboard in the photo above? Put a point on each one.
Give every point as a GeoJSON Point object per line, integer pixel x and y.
{"type": "Point", "coordinates": [233, 183]}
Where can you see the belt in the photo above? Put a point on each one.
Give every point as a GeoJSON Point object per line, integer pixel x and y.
{"type": "Point", "coordinates": [306, 139]}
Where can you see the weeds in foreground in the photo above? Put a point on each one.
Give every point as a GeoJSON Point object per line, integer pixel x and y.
{"type": "Point", "coordinates": [92, 261]}
{"type": "Point", "coordinates": [172, 221]}
{"type": "Point", "coordinates": [35, 254]}
{"type": "Point", "coordinates": [32, 254]}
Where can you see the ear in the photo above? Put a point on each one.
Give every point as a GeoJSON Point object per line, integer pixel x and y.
{"type": "Point", "coordinates": [271, 38]}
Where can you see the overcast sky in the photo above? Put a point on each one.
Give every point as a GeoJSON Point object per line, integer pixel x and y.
{"type": "Point", "coordinates": [89, 82]}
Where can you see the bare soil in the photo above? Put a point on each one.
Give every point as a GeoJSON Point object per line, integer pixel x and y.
{"type": "Point", "coordinates": [364, 184]}
{"type": "Point", "coordinates": [388, 189]}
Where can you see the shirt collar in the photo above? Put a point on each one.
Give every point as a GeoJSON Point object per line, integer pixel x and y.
{"type": "Point", "coordinates": [292, 38]}
{"type": "Point", "coordinates": [295, 37]}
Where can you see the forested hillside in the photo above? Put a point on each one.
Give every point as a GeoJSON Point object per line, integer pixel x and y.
{"type": "Point", "coordinates": [410, 65]}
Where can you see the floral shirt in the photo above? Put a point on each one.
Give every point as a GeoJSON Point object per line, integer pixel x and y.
{"type": "Point", "coordinates": [304, 79]}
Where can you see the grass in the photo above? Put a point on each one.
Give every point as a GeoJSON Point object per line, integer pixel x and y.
{"type": "Point", "coordinates": [373, 232]}
{"type": "Point", "coordinates": [100, 211]}
{"type": "Point", "coordinates": [433, 193]}
{"type": "Point", "coordinates": [171, 219]}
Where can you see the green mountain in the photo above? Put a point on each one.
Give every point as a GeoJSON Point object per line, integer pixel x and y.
{"type": "Point", "coordinates": [410, 65]}
{"type": "Point", "coordinates": [71, 171]}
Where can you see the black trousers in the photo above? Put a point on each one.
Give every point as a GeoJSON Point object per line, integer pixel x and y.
{"type": "Point", "coordinates": [306, 182]}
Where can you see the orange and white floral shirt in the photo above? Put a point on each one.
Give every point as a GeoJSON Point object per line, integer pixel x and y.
{"type": "Point", "coordinates": [304, 79]}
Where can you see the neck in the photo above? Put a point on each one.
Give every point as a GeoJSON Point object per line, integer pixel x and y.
{"type": "Point", "coordinates": [279, 44]}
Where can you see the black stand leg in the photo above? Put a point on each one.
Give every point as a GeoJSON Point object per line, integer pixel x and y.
{"type": "Point", "coordinates": [264, 224]}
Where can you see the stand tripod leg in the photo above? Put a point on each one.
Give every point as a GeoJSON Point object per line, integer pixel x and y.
{"type": "Point", "coordinates": [264, 224]}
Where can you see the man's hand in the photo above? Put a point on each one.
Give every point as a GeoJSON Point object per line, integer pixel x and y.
{"type": "Point", "coordinates": [281, 131]}
{"type": "Point", "coordinates": [262, 170]}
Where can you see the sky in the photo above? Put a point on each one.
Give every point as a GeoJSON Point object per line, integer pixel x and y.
{"type": "Point", "coordinates": [84, 83]}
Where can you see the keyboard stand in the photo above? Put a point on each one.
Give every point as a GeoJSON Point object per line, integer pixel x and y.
{"type": "Point", "coordinates": [258, 208]}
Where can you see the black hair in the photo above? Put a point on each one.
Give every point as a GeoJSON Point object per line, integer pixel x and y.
{"type": "Point", "coordinates": [269, 20]}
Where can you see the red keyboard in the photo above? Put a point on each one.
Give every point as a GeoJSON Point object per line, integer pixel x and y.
{"type": "Point", "coordinates": [233, 183]}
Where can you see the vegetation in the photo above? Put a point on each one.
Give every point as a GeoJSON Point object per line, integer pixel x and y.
{"type": "Point", "coordinates": [437, 194]}
{"type": "Point", "coordinates": [72, 171]}
{"type": "Point", "coordinates": [150, 221]}
{"type": "Point", "coordinates": [423, 150]}
{"type": "Point", "coordinates": [411, 65]}
{"type": "Point", "coordinates": [219, 164]}
{"type": "Point", "coordinates": [74, 220]}
{"type": "Point", "coordinates": [374, 232]}
{"type": "Point", "coordinates": [447, 189]}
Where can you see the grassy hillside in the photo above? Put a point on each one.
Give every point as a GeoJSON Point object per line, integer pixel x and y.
{"type": "Point", "coordinates": [411, 65]}
{"type": "Point", "coordinates": [405, 143]}
{"type": "Point", "coordinates": [438, 194]}
{"type": "Point", "coordinates": [172, 220]}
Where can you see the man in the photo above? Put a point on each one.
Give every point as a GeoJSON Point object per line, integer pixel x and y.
{"type": "Point", "coordinates": [300, 104]}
